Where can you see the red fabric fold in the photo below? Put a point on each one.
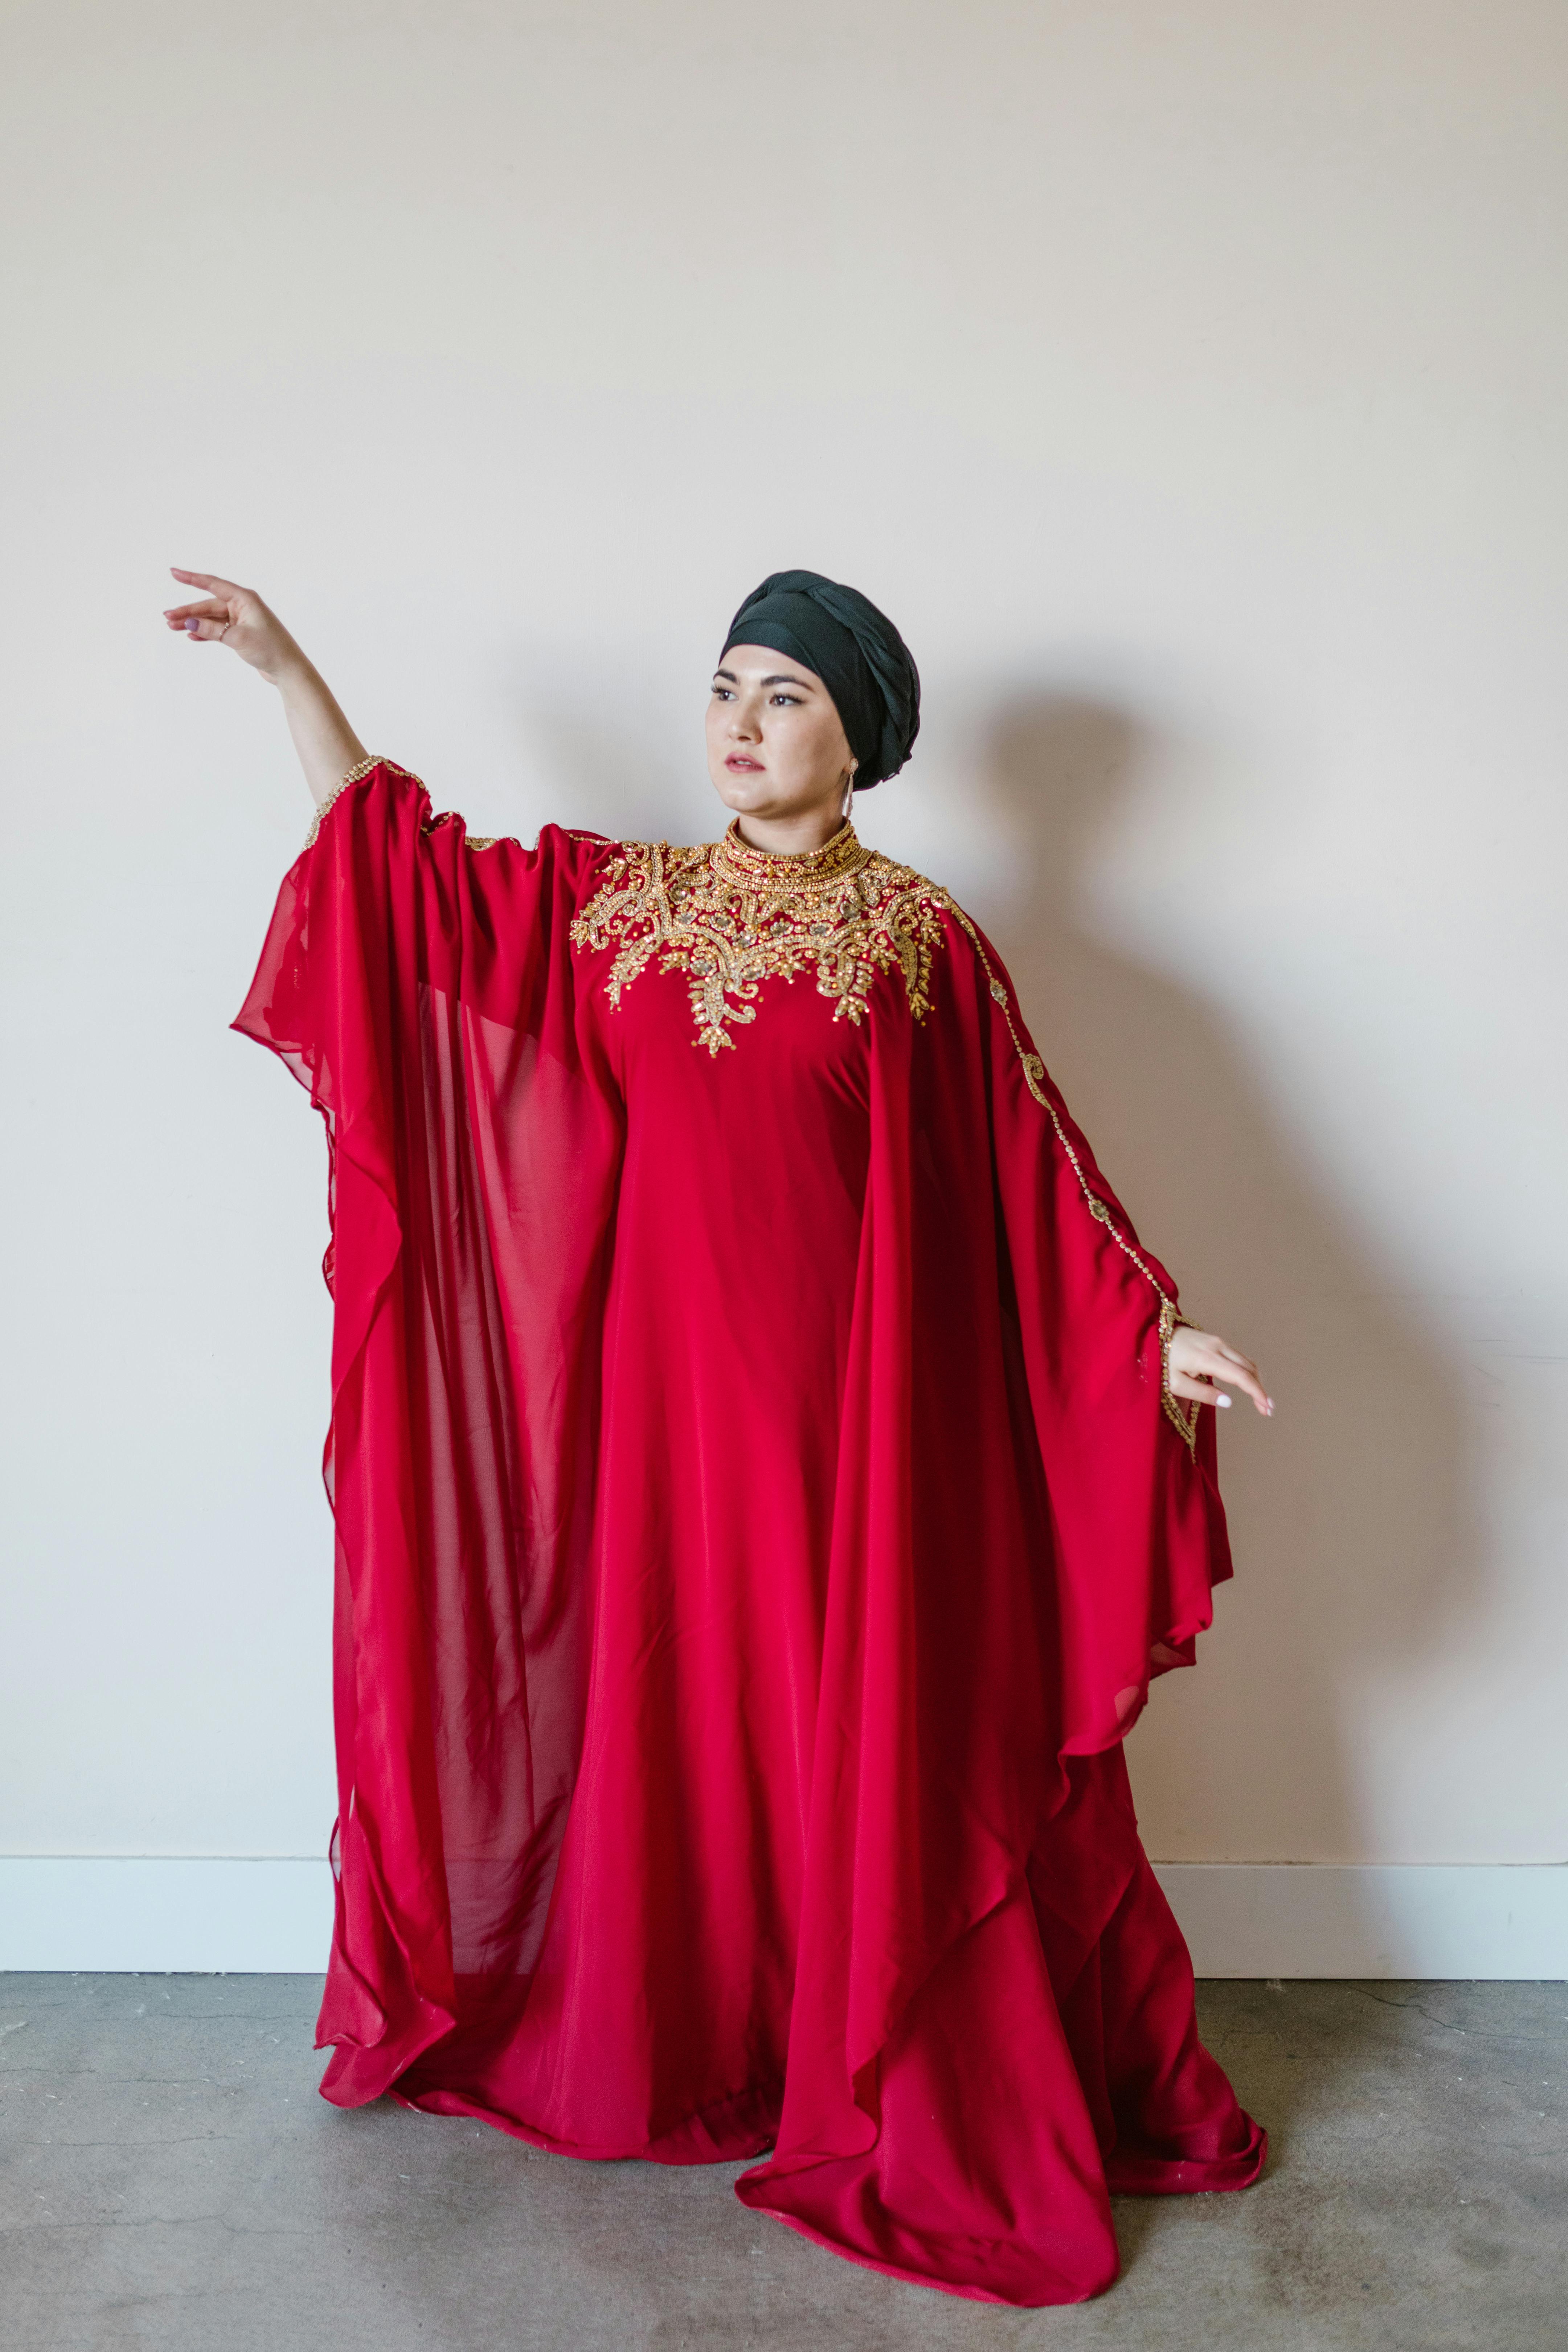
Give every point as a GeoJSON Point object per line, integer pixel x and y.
{"type": "Point", "coordinates": [757, 1524]}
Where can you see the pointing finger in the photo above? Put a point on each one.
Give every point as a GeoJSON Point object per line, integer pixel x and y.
{"type": "Point", "coordinates": [208, 580]}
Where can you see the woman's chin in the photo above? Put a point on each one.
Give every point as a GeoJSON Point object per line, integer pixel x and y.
{"type": "Point", "coordinates": [749, 792]}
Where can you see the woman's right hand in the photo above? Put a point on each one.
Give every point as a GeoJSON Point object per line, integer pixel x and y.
{"type": "Point", "coordinates": [236, 617]}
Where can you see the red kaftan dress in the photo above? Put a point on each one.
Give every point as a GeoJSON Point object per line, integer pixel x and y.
{"type": "Point", "coordinates": [760, 1512]}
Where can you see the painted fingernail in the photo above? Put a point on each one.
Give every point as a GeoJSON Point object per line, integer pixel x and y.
{"type": "Point", "coordinates": [1222, 1399]}
{"type": "Point", "coordinates": [193, 626]}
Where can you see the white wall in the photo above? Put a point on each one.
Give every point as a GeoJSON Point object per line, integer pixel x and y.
{"type": "Point", "coordinates": [1187, 382]}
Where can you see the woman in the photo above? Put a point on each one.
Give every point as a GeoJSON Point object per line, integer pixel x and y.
{"type": "Point", "coordinates": [768, 1470]}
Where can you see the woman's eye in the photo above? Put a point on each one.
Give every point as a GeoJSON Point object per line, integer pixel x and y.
{"type": "Point", "coordinates": [787, 697]}
{"type": "Point", "coordinates": [721, 694]}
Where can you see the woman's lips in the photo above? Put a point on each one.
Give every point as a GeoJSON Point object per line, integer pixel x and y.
{"type": "Point", "coordinates": [739, 761]}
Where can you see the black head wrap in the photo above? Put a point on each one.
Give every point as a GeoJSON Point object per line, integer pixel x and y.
{"type": "Point", "coordinates": [855, 651]}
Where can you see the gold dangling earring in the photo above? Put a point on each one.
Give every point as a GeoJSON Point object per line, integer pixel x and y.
{"type": "Point", "coordinates": [850, 790]}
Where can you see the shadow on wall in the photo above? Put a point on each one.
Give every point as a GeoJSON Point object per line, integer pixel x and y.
{"type": "Point", "coordinates": [1350, 1515]}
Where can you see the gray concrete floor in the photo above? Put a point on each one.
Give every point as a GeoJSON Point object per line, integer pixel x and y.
{"type": "Point", "coordinates": [170, 2179]}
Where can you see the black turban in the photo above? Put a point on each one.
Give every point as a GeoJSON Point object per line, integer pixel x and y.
{"type": "Point", "coordinates": [855, 651]}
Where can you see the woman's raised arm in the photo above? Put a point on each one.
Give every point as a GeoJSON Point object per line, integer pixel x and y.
{"type": "Point", "coordinates": [237, 617]}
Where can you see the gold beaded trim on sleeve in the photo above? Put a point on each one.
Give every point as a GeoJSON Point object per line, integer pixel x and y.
{"type": "Point", "coordinates": [1034, 1070]}
{"type": "Point", "coordinates": [356, 774]}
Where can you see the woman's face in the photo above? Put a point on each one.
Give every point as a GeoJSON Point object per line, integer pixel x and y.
{"type": "Point", "coordinates": [777, 745]}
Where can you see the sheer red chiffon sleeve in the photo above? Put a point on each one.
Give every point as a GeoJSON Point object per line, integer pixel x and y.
{"type": "Point", "coordinates": [1137, 1530]}
{"type": "Point", "coordinates": [422, 987]}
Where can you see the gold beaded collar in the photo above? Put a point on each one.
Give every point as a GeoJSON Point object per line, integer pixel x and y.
{"type": "Point", "coordinates": [731, 917]}
{"type": "Point", "coordinates": [736, 861]}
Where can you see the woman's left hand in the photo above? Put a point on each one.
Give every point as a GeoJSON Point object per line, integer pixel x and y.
{"type": "Point", "coordinates": [1197, 1358]}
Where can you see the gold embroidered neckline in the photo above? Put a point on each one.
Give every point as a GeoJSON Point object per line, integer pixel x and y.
{"type": "Point", "coordinates": [731, 917]}
{"type": "Point", "coordinates": [738, 862]}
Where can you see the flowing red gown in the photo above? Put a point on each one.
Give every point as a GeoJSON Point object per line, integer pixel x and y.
{"type": "Point", "coordinates": [760, 1512]}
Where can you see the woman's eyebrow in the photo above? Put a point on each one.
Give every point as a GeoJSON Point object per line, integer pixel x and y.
{"type": "Point", "coordinates": [803, 683]}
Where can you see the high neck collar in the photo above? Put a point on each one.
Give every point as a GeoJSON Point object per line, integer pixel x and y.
{"type": "Point", "coordinates": [791, 869]}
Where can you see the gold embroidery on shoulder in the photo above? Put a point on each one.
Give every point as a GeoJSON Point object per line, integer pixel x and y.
{"type": "Point", "coordinates": [1034, 1073]}
{"type": "Point", "coordinates": [733, 917]}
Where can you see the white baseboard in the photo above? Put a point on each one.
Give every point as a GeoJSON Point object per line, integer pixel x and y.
{"type": "Point", "coordinates": [1372, 1919]}
{"type": "Point", "coordinates": [213, 1914]}
{"type": "Point", "coordinates": [205, 1914]}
